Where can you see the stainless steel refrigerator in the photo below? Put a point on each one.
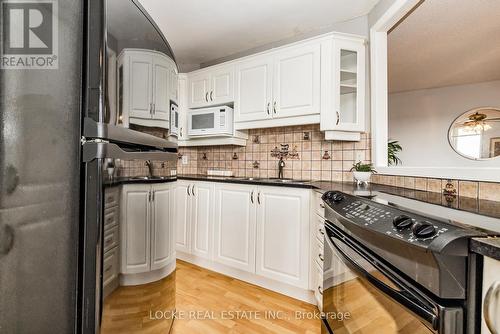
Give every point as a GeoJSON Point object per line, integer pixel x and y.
{"type": "Point", "coordinates": [74, 131]}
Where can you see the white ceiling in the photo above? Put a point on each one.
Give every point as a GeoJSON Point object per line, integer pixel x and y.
{"type": "Point", "coordinates": [445, 42]}
{"type": "Point", "coordinates": [200, 31]}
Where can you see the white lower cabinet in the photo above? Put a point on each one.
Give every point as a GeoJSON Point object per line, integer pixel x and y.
{"type": "Point", "coordinates": [490, 323]}
{"type": "Point", "coordinates": [147, 241]}
{"type": "Point", "coordinates": [259, 230]}
{"type": "Point", "coordinates": [193, 212]}
{"type": "Point", "coordinates": [202, 210]}
{"type": "Point", "coordinates": [234, 228]}
{"type": "Point", "coordinates": [283, 235]}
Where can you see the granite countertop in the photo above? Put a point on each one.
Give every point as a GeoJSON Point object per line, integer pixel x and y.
{"type": "Point", "coordinates": [123, 180]}
{"type": "Point", "coordinates": [489, 247]}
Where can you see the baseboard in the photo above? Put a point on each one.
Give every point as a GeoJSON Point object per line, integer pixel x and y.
{"type": "Point", "coordinates": [283, 288]}
{"type": "Point", "coordinates": [148, 277]}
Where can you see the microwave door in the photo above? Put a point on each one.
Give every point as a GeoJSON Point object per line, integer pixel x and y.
{"type": "Point", "coordinates": [202, 123]}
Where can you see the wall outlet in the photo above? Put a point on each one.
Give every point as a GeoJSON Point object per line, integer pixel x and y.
{"type": "Point", "coordinates": [185, 159]}
{"type": "Point", "coordinates": [360, 156]}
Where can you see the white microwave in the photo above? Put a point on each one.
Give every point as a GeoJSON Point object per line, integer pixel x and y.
{"type": "Point", "coordinates": [214, 121]}
{"type": "Point", "coordinates": [174, 119]}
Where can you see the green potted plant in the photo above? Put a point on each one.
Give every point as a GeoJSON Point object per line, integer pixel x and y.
{"type": "Point", "coordinates": [362, 172]}
{"type": "Point", "coordinates": [393, 148]}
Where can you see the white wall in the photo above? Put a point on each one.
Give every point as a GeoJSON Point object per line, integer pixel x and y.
{"type": "Point", "coordinates": [420, 120]}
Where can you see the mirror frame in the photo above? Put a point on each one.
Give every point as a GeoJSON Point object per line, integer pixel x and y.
{"type": "Point", "coordinates": [455, 121]}
{"type": "Point", "coordinates": [397, 11]}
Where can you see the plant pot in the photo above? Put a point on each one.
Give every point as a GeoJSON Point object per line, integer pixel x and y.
{"type": "Point", "coordinates": [362, 177]}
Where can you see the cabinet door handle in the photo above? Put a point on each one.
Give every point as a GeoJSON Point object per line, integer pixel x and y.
{"type": "Point", "coordinates": [321, 205]}
{"type": "Point", "coordinates": [258, 197]}
{"type": "Point", "coordinates": [321, 257]}
{"type": "Point", "coordinates": [151, 109]}
{"type": "Point", "coordinates": [320, 290]}
{"type": "Point", "coordinates": [192, 190]}
{"type": "Point", "coordinates": [338, 118]}
{"type": "Point", "coordinates": [149, 196]}
{"type": "Point", "coordinates": [180, 131]}
{"type": "Point", "coordinates": [188, 190]}
{"type": "Point", "coordinates": [206, 96]}
{"type": "Point", "coordinates": [321, 231]}
{"type": "Point", "coordinates": [251, 197]}
{"type": "Point", "coordinates": [274, 107]}
{"type": "Point", "coordinates": [267, 109]}
{"type": "Point", "coordinates": [488, 299]}
{"type": "Point", "coordinates": [154, 108]}
{"type": "Point", "coordinates": [211, 95]}
{"type": "Point", "coordinates": [153, 196]}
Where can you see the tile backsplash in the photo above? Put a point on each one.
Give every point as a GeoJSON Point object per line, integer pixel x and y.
{"type": "Point", "coordinates": [310, 164]}
{"type": "Point", "coordinates": [316, 159]}
{"type": "Point", "coordinates": [471, 189]}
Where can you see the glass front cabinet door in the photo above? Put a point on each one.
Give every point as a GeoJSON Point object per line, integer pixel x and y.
{"type": "Point", "coordinates": [344, 116]}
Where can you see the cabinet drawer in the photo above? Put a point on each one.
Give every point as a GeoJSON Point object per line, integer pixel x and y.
{"type": "Point", "coordinates": [111, 197]}
{"type": "Point", "coordinates": [110, 238]}
{"type": "Point", "coordinates": [319, 206]}
{"type": "Point", "coordinates": [318, 287]}
{"type": "Point", "coordinates": [110, 267]}
{"type": "Point", "coordinates": [320, 230]}
{"type": "Point", "coordinates": [110, 218]}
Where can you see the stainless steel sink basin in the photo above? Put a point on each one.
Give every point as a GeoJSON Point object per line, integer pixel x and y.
{"type": "Point", "coordinates": [147, 178]}
{"type": "Point", "coordinates": [272, 180]}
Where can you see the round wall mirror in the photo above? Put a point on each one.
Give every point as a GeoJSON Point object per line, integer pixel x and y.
{"type": "Point", "coordinates": [476, 134]}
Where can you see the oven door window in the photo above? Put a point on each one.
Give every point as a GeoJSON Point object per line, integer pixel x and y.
{"type": "Point", "coordinates": [353, 304]}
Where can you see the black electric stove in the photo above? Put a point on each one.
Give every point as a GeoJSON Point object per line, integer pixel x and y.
{"type": "Point", "coordinates": [409, 260]}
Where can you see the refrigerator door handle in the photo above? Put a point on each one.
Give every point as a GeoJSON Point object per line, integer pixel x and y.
{"type": "Point", "coordinates": [101, 150]}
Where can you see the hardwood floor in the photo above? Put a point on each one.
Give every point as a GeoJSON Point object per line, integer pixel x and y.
{"type": "Point", "coordinates": [206, 302]}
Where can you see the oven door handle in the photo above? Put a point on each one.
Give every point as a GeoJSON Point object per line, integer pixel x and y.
{"type": "Point", "coordinates": [407, 299]}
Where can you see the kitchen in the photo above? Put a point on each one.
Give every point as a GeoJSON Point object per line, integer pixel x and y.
{"type": "Point", "coordinates": [328, 169]}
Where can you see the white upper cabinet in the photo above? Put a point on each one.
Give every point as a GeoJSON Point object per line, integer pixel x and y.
{"type": "Point", "coordinates": [147, 82]}
{"type": "Point", "coordinates": [222, 85]}
{"type": "Point", "coordinates": [140, 85]}
{"type": "Point", "coordinates": [280, 85]}
{"type": "Point", "coordinates": [347, 107]}
{"type": "Point", "coordinates": [161, 96]}
{"type": "Point", "coordinates": [297, 82]}
{"type": "Point", "coordinates": [198, 89]}
{"type": "Point", "coordinates": [253, 89]}
{"type": "Point", "coordinates": [211, 87]}
{"type": "Point", "coordinates": [234, 226]}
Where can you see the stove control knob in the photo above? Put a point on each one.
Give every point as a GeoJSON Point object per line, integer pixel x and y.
{"type": "Point", "coordinates": [424, 230]}
{"type": "Point", "coordinates": [337, 197]}
{"type": "Point", "coordinates": [402, 222]}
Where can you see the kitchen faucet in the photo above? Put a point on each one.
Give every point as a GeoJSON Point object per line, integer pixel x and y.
{"type": "Point", "coordinates": [150, 167]}
{"type": "Point", "coordinates": [281, 165]}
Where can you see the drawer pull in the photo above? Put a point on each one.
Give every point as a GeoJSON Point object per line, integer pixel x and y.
{"type": "Point", "coordinates": [321, 257]}
{"type": "Point", "coordinates": [322, 205]}
{"type": "Point", "coordinates": [321, 231]}
{"type": "Point", "coordinates": [320, 290]}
